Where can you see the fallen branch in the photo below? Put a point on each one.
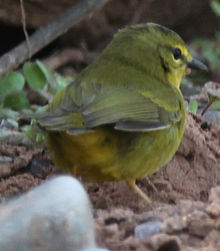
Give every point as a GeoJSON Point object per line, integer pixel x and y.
{"type": "Point", "coordinates": [68, 55]}
{"type": "Point", "coordinates": [46, 34]}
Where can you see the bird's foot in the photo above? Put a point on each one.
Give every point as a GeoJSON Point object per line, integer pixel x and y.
{"type": "Point", "coordinates": [133, 186]}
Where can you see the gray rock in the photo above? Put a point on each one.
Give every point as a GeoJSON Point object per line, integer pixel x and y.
{"type": "Point", "coordinates": [94, 249]}
{"type": "Point", "coordinates": [212, 116]}
{"type": "Point", "coordinates": [148, 229]}
{"type": "Point", "coordinates": [55, 216]}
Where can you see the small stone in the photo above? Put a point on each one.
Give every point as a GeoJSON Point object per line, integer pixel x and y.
{"type": "Point", "coordinates": [214, 209]}
{"type": "Point", "coordinates": [212, 116]}
{"type": "Point", "coordinates": [199, 228]}
{"type": "Point", "coordinates": [173, 224]}
{"type": "Point", "coordinates": [199, 224]}
{"type": "Point", "coordinates": [5, 159]}
{"type": "Point", "coordinates": [148, 229]}
{"type": "Point", "coordinates": [214, 199]}
{"type": "Point", "coordinates": [164, 242]}
{"type": "Point", "coordinates": [214, 194]}
{"type": "Point", "coordinates": [9, 124]}
{"type": "Point", "coordinates": [94, 249]}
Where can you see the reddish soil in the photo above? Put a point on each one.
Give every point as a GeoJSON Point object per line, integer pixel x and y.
{"type": "Point", "coordinates": [194, 170]}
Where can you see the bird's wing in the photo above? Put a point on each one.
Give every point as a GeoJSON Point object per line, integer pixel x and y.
{"type": "Point", "coordinates": [80, 110]}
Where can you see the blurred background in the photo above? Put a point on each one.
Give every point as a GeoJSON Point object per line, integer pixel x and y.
{"type": "Point", "coordinates": [198, 22]}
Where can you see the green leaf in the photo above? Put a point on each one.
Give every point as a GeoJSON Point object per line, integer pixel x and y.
{"type": "Point", "coordinates": [2, 97]}
{"type": "Point", "coordinates": [8, 113]}
{"type": "Point", "coordinates": [193, 106]}
{"type": "Point", "coordinates": [9, 123]}
{"type": "Point", "coordinates": [11, 82]}
{"type": "Point", "coordinates": [33, 133]}
{"type": "Point", "coordinates": [47, 73]}
{"type": "Point", "coordinates": [40, 137]}
{"type": "Point", "coordinates": [216, 105]}
{"type": "Point", "coordinates": [16, 100]}
{"type": "Point", "coordinates": [34, 76]}
{"type": "Point", "coordinates": [62, 81]}
{"type": "Point", "coordinates": [215, 5]}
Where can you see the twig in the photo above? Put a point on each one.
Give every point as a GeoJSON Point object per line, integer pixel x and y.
{"type": "Point", "coordinates": [24, 28]}
{"type": "Point", "coordinates": [207, 107]}
{"type": "Point", "coordinates": [48, 33]}
{"type": "Point", "coordinates": [68, 55]}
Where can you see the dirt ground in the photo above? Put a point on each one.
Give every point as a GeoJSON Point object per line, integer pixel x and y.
{"type": "Point", "coordinates": [179, 194]}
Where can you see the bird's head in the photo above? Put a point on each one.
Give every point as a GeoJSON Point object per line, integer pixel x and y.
{"type": "Point", "coordinates": [174, 55]}
{"type": "Point", "coordinates": [159, 50]}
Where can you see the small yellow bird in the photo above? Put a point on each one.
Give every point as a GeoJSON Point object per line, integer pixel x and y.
{"type": "Point", "coordinates": [123, 117]}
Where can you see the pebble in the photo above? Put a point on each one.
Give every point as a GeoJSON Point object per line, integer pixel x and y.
{"type": "Point", "coordinates": [94, 249]}
{"type": "Point", "coordinates": [199, 224]}
{"type": "Point", "coordinates": [148, 229]}
{"type": "Point", "coordinates": [9, 124]}
{"type": "Point", "coordinates": [214, 199]}
{"type": "Point", "coordinates": [212, 116]}
{"type": "Point", "coordinates": [6, 159]}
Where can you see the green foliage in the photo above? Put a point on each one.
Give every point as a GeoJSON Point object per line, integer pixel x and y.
{"type": "Point", "coordinates": [14, 100]}
{"type": "Point", "coordinates": [37, 76]}
{"type": "Point", "coordinates": [33, 133]}
{"type": "Point", "coordinates": [215, 5]}
{"type": "Point", "coordinates": [214, 98]}
{"type": "Point", "coordinates": [62, 81]}
{"type": "Point", "coordinates": [11, 93]}
{"type": "Point", "coordinates": [193, 106]}
{"type": "Point", "coordinates": [45, 71]}
{"type": "Point", "coordinates": [216, 105]}
{"type": "Point", "coordinates": [34, 76]}
{"type": "Point", "coordinates": [14, 81]}
{"type": "Point", "coordinates": [40, 137]}
{"type": "Point", "coordinates": [9, 113]}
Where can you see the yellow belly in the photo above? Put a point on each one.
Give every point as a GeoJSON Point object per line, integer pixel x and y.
{"type": "Point", "coordinates": [110, 155]}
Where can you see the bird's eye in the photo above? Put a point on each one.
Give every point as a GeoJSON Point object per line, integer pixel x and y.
{"type": "Point", "coordinates": [177, 53]}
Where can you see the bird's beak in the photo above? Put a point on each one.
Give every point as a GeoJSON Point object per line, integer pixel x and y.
{"type": "Point", "coordinates": [197, 65]}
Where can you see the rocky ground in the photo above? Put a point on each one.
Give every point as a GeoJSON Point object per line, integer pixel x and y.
{"type": "Point", "coordinates": [184, 214]}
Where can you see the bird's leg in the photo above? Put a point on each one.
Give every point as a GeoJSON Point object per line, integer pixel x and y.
{"type": "Point", "coordinates": [133, 186]}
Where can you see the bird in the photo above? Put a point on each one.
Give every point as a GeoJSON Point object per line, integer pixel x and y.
{"type": "Point", "coordinates": [123, 117]}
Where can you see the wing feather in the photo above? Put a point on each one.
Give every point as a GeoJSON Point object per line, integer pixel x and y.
{"type": "Point", "coordinates": [82, 110]}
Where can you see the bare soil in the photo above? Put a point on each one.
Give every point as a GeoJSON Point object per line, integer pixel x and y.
{"type": "Point", "coordinates": [178, 191]}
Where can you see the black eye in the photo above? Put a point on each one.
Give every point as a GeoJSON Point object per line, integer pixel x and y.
{"type": "Point", "coordinates": [177, 53]}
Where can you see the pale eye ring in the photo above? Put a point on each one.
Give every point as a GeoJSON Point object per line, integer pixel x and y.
{"type": "Point", "coordinates": [177, 54]}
